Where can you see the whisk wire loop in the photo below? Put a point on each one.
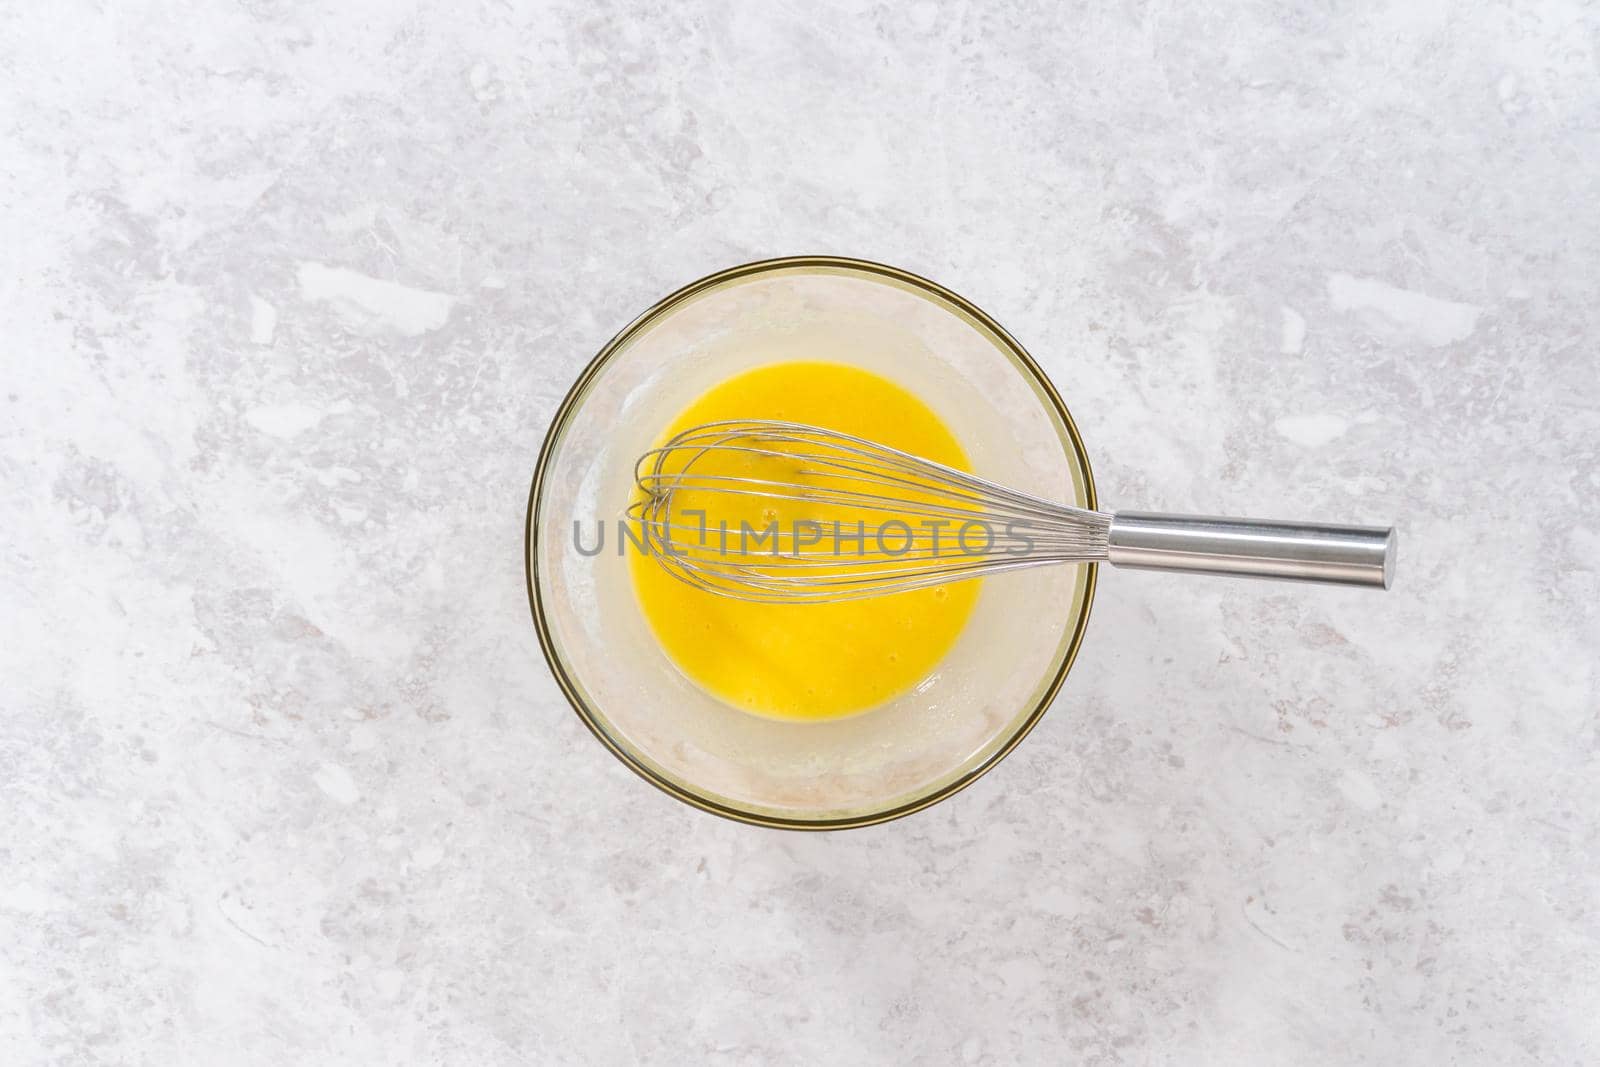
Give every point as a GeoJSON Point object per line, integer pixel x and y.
{"type": "Point", "coordinates": [892, 506]}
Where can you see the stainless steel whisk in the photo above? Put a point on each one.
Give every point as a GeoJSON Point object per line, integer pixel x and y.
{"type": "Point", "coordinates": [912, 523]}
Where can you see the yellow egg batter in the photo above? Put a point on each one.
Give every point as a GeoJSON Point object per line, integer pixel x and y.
{"type": "Point", "coordinates": [808, 661]}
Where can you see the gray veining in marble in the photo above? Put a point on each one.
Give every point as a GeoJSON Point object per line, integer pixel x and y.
{"type": "Point", "coordinates": [288, 293]}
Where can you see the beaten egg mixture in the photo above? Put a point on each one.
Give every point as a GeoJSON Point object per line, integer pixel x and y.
{"type": "Point", "coordinates": [807, 661]}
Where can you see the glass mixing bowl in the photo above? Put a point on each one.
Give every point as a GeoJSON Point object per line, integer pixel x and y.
{"type": "Point", "coordinates": [961, 720]}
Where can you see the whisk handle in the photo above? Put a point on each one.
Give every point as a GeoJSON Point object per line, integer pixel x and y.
{"type": "Point", "coordinates": [1253, 548]}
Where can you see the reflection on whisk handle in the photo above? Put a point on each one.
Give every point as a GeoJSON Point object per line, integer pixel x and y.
{"type": "Point", "coordinates": [1255, 548]}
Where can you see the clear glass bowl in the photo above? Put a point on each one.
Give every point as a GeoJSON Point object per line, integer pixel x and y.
{"type": "Point", "coordinates": [927, 744]}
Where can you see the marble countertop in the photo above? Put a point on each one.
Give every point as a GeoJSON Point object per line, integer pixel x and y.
{"type": "Point", "coordinates": [289, 292]}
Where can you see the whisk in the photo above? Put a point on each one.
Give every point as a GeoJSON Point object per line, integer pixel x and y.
{"type": "Point", "coordinates": [838, 517]}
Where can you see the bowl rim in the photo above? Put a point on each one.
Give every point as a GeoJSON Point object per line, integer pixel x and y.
{"type": "Point", "coordinates": [570, 405]}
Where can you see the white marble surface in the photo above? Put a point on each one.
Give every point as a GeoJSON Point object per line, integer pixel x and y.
{"type": "Point", "coordinates": [288, 293]}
